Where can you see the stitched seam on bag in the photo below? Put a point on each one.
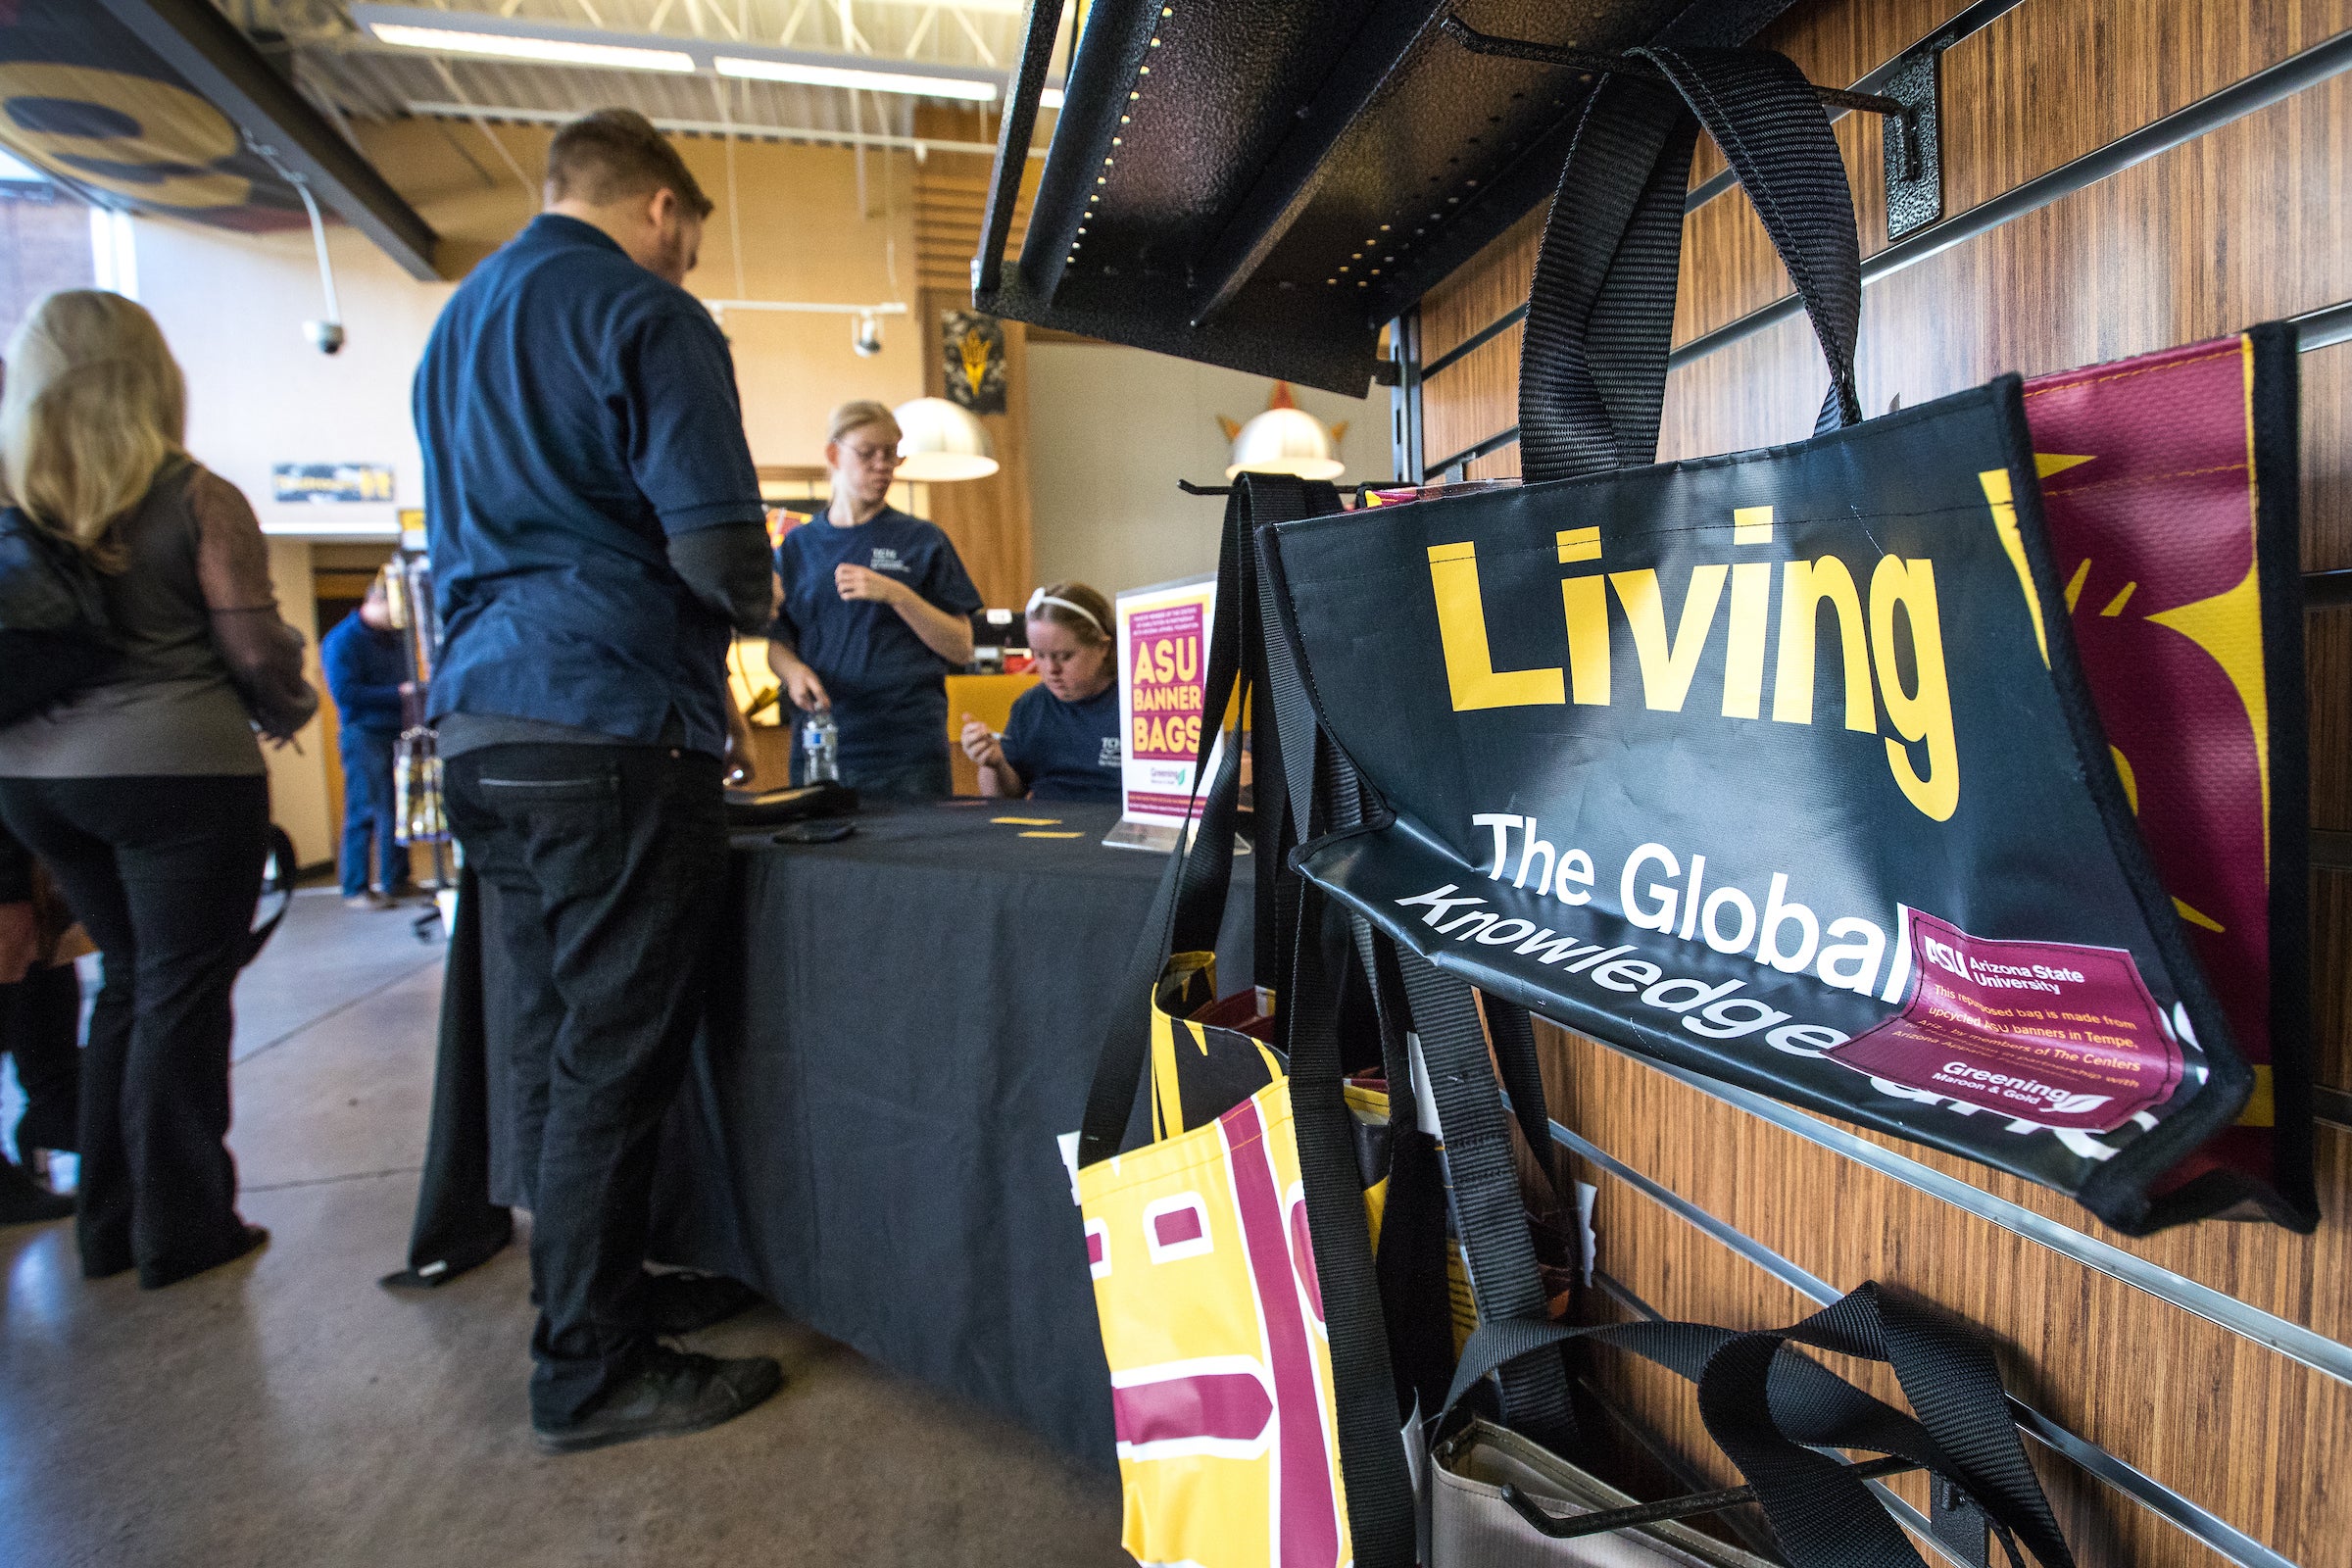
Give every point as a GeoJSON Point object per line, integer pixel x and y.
{"type": "Point", "coordinates": [2229, 353]}
{"type": "Point", "coordinates": [1507, 552]}
{"type": "Point", "coordinates": [2143, 479]}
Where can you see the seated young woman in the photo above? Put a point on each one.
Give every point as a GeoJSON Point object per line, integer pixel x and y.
{"type": "Point", "coordinates": [1062, 739]}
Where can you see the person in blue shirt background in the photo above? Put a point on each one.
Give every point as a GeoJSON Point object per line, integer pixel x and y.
{"type": "Point", "coordinates": [1062, 739]}
{"type": "Point", "coordinates": [877, 608]}
{"type": "Point", "coordinates": [367, 670]}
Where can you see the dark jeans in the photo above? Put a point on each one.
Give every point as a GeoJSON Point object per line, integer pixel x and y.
{"type": "Point", "coordinates": [163, 872]}
{"type": "Point", "coordinates": [603, 871]}
{"type": "Point", "coordinates": [40, 1026]}
{"type": "Point", "coordinates": [368, 813]}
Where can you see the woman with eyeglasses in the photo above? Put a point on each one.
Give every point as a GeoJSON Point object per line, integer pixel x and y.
{"type": "Point", "coordinates": [877, 608]}
{"type": "Point", "coordinates": [1062, 739]}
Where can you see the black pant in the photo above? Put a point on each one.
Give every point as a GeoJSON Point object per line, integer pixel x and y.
{"type": "Point", "coordinates": [40, 1026]}
{"type": "Point", "coordinates": [163, 872]}
{"type": "Point", "coordinates": [603, 870]}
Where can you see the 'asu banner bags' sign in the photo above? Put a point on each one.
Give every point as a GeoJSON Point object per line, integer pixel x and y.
{"type": "Point", "coordinates": [1784, 768]}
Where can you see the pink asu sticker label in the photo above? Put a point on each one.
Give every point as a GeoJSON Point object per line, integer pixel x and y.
{"type": "Point", "coordinates": [2046, 1032]}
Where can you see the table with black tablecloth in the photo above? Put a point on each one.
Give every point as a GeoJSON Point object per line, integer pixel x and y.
{"type": "Point", "coordinates": [903, 1027]}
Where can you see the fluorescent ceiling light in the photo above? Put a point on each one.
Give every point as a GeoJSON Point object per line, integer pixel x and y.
{"type": "Point", "coordinates": [549, 51]}
{"type": "Point", "coordinates": [980, 92]}
{"type": "Point", "coordinates": [1051, 98]}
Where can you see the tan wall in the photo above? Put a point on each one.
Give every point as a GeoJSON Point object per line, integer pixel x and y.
{"type": "Point", "coordinates": [234, 304]}
{"type": "Point", "coordinates": [1110, 432]}
{"type": "Point", "coordinates": [299, 799]}
{"type": "Point", "coordinates": [234, 307]}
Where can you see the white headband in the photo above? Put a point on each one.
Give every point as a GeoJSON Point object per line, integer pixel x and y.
{"type": "Point", "coordinates": [1040, 597]}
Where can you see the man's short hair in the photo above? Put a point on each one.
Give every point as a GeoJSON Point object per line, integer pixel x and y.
{"type": "Point", "coordinates": [616, 153]}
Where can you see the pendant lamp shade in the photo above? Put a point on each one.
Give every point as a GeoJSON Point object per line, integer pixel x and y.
{"type": "Point", "coordinates": [1286, 440]}
{"type": "Point", "coordinates": [940, 442]}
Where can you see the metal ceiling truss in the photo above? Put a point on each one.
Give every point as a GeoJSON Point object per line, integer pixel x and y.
{"type": "Point", "coordinates": [207, 49]}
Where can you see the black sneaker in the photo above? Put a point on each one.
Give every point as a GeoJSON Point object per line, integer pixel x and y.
{"type": "Point", "coordinates": [673, 1392]}
{"type": "Point", "coordinates": [684, 1302]}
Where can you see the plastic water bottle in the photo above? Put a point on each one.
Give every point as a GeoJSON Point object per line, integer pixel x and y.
{"type": "Point", "coordinates": [820, 749]}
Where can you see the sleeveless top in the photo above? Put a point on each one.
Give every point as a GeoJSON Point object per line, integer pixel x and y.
{"type": "Point", "coordinates": [170, 705]}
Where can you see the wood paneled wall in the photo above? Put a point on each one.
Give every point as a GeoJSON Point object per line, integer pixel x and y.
{"type": "Point", "coordinates": [2245, 223]}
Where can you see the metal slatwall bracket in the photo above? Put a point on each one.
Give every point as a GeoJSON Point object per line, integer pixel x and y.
{"type": "Point", "coordinates": [1404, 397]}
{"type": "Point", "coordinates": [1907, 94]}
{"type": "Point", "coordinates": [1913, 139]}
{"type": "Point", "coordinates": [1958, 1525]}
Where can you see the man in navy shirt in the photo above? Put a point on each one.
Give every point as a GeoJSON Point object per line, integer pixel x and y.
{"type": "Point", "coordinates": [877, 608]}
{"type": "Point", "coordinates": [365, 669]}
{"type": "Point", "coordinates": [596, 528]}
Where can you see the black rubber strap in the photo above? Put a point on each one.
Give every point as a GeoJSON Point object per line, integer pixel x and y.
{"type": "Point", "coordinates": [1600, 312]}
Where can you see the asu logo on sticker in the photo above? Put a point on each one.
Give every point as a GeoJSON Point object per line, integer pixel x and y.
{"type": "Point", "coordinates": [2050, 1033]}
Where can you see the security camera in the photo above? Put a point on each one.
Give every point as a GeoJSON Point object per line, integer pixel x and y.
{"type": "Point", "coordinates": [325, 336]}
{"type": "Point", "coordinates": [866, 337]}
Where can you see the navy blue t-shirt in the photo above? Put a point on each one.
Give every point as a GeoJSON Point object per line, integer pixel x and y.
{"type": "Point", "coordinates": [575, 411]}
{"type": "Point", "coordinates": [889, 689]}
{"type": "Point", "coordinates": [1066, 751]}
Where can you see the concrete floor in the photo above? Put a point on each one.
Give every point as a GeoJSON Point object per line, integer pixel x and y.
{"type": "Point", "coordinates": [287, 1410]}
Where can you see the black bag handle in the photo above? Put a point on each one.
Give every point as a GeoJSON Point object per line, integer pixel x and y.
{"type": "Point", "coordinates": [1189, 906]}
{"type": "Point", "coordinates": [1601, 311]}
{"type": "Point", "coordinates": [1769, 1408]}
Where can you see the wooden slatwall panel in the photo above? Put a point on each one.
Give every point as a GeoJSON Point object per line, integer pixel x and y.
{"type": "Point", "coordinates": [2246, 223]}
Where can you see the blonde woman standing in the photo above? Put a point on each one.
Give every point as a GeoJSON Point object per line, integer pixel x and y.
{"type": "Point", "coordinates": [877, 610]}
{"type": "Point", "coordinates": [143, 790]}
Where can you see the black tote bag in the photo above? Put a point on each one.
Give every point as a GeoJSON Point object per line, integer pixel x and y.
{"type": "Point", "coordinates": [1780, 766]}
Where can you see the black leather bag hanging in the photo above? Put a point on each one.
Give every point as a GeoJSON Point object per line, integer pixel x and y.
{"type": "Point", "coordinates": [54, 633]}
{"type": "Point", "coordinates": [1779, 768]}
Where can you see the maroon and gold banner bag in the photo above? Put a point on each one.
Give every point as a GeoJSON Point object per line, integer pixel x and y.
{"type": "Point", "coordinates": [2169, 485]}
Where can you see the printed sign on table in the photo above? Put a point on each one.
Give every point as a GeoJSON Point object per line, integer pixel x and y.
{"type": "Point", "coordinates": [1163, 654]}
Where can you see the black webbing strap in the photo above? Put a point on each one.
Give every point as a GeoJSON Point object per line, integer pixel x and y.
{"type": "Point", "coordinates": [1490, 1214]}
{"type": "Point", "coordinates": [1593, 360]}
{"type": "Point", "coordinates": [1949, 1373]}
{"type": "Point", "coordinates": [1381, 1506]}
{"type": "Point", "coordinates": [1189, 906]}
{"type": "Point", "coordinates": [1414, 1291]}
{"type": "Point", "coordinates": [1287, 763]}
{"type": "Point", "coordinates": [1769, 1408]}
{"type": "Point", "coordinates": [1513, 1034]}
{"type": "Point", "coordinates": [1289, 800]}
{"type": "Point", "coordinates": [1774, 133]}
{"type": "Point", "coordinates": [1601, 311]}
